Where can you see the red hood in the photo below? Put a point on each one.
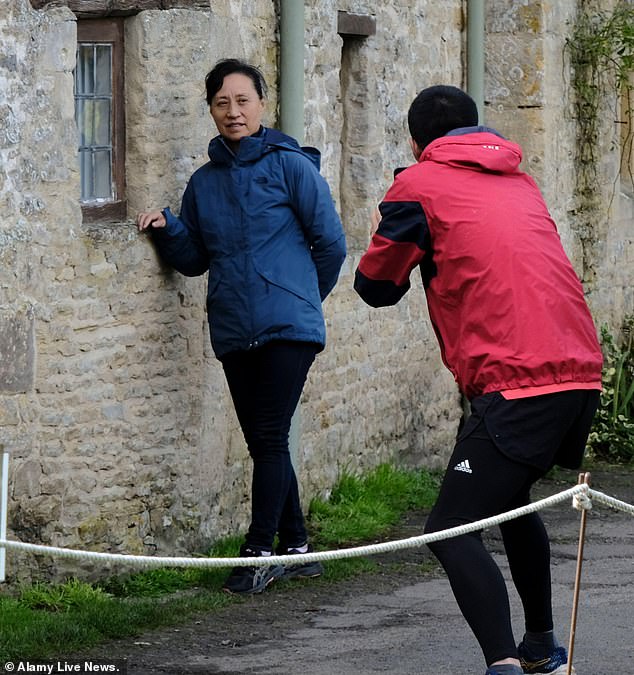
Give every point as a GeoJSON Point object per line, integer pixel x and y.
{"type": "Point", "coordinates": [480, 151]}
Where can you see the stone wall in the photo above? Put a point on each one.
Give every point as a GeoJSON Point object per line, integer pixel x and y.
{"type": "Point", "coordinates": [115, 412]}
{"type": "Point", "coordinates": [529, 98]}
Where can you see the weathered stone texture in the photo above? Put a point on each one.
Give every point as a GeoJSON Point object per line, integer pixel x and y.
{"type": "Point", "coordinates": [353, 416]}
{"type": "Point", "coordinates": [116, 414]}
{"type": "Point", "coordinates": [17, 351]}
{"type": "Point", "coordinates": [529, 98]}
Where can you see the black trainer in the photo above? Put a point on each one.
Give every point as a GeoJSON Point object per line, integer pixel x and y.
{"type": "Point", "coordinates": [308, 570]}
{"type": "Point", "coordinates": [246, 580]}
{"type": "Point", "coordinates": [555, 663]}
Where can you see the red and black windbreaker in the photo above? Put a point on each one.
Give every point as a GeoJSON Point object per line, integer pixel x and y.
{"type": "Point", "coordinates": [505, 302]}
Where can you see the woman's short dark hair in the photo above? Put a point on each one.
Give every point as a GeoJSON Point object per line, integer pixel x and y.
{"type": "Point", "coordinates": [439, 109]}
{"type": "Point", "coordinates": [215, 77]}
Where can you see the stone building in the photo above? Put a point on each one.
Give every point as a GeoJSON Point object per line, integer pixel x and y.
{"type": "Point", "coordinates": [114, 411]}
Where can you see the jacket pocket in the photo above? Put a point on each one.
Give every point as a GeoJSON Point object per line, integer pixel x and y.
{"type": "Point", "coordinates": [306, 289]}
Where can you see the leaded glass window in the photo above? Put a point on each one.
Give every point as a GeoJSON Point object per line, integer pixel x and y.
{"type": "Point", "coordinates": [93, 113]}
{"type": "Point", "coordinates": [99, 114]}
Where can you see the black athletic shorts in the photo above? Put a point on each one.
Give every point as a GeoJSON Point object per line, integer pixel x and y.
{"type": "Point", "coordinates": [539, 431]}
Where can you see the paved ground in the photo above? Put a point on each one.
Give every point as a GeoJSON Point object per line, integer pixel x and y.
{"type": "Point", "coordinates": [403, 620]}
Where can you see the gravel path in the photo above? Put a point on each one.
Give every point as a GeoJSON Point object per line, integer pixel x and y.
{"type": "Point", "coordinates": [403, 619]}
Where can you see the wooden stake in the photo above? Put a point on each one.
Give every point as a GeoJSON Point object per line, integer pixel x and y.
{"type": "Point", "coordinates": [583, 478]}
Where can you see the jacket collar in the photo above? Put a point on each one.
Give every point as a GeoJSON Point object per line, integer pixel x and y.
{"type": "Point", "coordinates": [253, 147]}
{"type": "Point", "coordinates": [460, 131]}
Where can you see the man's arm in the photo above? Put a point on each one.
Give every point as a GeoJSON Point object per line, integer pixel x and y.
{"type": "Point", "coordinates": [397, 246]}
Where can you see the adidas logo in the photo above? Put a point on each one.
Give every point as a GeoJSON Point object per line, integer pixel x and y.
{"type": "Point", "coordinates": [463, 466]}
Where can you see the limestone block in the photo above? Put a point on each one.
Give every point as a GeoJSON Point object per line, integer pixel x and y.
{"type": "Point", "coordinates": [9, 412]}
{"type": "Point", "coordinates": [514, 70]}
{"type": "Point", "coordinates": [512, 18]}
{"type": "Point", "coordinates": [17, 350]}
{"type": "Point", "coordinates": [31, 516]}
{"type": "Point", "coordinates": [26, 479]}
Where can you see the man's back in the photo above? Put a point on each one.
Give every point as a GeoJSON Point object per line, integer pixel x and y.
{"type": "Point", "coordinates": [505, 301]}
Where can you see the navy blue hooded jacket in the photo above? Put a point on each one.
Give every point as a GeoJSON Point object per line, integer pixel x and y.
{"type": "Point", "coordinates": [263, 224]}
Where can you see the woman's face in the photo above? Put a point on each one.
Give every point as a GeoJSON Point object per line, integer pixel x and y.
{"type": "Point", "coordinates": [236, 108]}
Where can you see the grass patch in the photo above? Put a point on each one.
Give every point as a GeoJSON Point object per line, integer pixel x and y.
{"type": "Point", "coordinates": [60, 598]}
{"type": "Point", "coordinates": [360, 508]}
{"type": "Point", "coordinates": [45, 620]}
{"type": "Point", "coordinates": [36, 633]}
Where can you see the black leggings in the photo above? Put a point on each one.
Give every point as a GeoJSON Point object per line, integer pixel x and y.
{"type": "Point", "coordinates": [495, 462]}
{"type": "Point", "coordinates": [495, 485]}
{"type": "Point", "coordinates": [266, 384]}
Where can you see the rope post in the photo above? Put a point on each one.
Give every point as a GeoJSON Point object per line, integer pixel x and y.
{"type": "Point", "coordinates": [584, 478]}
{"type": "Point", "coordinates": [4, 500]}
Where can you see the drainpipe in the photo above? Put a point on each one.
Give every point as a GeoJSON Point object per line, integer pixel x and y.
{"type": "Point", "coordinates": [475, 54]}
{"type": "Point", "coordinates": [291, 102]}
{"type": "Point", "coordinates": [475, 83]}
{"type": "Point", "coordinates": [292, 68]}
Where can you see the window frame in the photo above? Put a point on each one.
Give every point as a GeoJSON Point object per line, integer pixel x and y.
{"type": "Point", "coordinates": [110, 30]}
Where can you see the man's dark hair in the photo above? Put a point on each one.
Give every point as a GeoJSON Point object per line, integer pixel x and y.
{"type": "Point", "coordinates": [216, 76]}
{"type": "Point", "coordinates": [439, 109]}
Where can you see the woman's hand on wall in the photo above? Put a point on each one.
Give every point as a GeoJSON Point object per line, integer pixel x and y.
{"type": "Point", "coordinates": [148, 219]}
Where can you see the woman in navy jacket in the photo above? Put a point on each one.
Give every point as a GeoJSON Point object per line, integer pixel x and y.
{"type": "Point", "coordinates": [259, 218]}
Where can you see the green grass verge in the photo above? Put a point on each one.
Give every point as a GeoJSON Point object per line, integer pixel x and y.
{"type": "Point", "coordinates": [361, 508]}
{"type": "Point", "coordinates": [44, 620]}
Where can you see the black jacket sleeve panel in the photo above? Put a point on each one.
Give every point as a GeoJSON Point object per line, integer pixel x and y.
{"type": "Point", "coordinates": [403, 222]}
{"type": "Point", "coordinates": [399, 245]}
{"type": "Point", "coordinates": [378, 293]}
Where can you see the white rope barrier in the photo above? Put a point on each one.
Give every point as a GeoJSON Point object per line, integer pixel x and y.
{"type": "Point", "coordinates": [581, 493]}
{"type": "Point", "coordinates": [616, 504]}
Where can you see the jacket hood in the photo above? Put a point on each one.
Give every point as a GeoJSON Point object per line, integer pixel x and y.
{"type": "Point", "coordinates": [254, 147]}
{"type": "Point", "coordinates": [475, 148]}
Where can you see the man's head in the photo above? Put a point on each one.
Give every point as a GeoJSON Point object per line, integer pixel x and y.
{"type": "Point", "coordinates": [437, 110]}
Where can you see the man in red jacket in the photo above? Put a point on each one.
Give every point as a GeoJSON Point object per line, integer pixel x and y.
{"type": "Point", "coordinates": [514, 329]}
